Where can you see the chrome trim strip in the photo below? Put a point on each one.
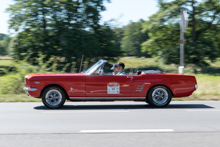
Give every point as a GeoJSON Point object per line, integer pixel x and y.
{"type": "Point", "coordinates": [107, 98]}
{"type": "Point", "coordinates": [29, 89]}
{"type": "Point", "coordinates": [142, 87]}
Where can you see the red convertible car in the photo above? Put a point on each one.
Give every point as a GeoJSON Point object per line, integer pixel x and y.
{"type": "Point", "coordinates": [154, 87]}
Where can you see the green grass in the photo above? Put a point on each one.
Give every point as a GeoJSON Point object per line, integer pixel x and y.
{"type": "Point", "coordinates": [5, 62]}
{"type": "Point", "coordinates": [7, 78]}
{"type": "Point", "coordinates": [195, 97]}
{"type": "Point", "coordinates": [215, 64]}
{"type": "Point", "coordinates": [132, 62]}
{"type": "Point", "coordinates": [5, 65]}
{"type": "Point", "coordinates": [208, 85]}
{"type": "Point", "coordinates": [17, 98]}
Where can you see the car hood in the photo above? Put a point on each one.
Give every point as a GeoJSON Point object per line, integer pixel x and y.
{"type": "Point", "coordinates": [52, 74]}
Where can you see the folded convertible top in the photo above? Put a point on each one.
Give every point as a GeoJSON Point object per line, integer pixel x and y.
{"type": "Point", "coordinates": [150, 72]}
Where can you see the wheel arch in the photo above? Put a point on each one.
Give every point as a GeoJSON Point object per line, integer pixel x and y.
{"type": "Point", "coordinates": [159, 85]}
{"type": "Point", "coordinates": [56, 86]}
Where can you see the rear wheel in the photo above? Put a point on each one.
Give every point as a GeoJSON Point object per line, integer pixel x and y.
{"type": "Point", "coordinates": [53, 97]}
{"type": "Point", "coordinates": [159, 96]}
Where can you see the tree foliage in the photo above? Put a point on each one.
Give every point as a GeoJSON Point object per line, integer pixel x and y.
{"type": "Point", "coordinates": [4, 43]}
{"type": "Point", "coordinates": [119, 34]}
{"type": "Point", "coordinates": [61, 28]}
{"type": "Point", "coordinates": [201, 36]}
{"type": "Point", "coordinates": [133, 38]}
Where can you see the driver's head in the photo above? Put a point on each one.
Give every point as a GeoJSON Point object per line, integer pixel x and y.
{"type": "Point", "coordinates": [115, 67]}
{"type": "Point", "coordinates": [121, 66]}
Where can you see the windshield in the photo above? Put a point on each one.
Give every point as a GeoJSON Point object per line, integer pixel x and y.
{"type": "Point", "coordinates": [94, 67]}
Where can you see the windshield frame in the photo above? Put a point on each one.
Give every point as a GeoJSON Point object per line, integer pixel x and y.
{"type": "Point", "coordinates": [93, 68]}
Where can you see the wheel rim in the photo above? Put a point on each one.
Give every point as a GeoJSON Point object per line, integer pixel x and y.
{"type": "Point", "coordinates": [160, 96]}
{"type": "Point", "coordinates": [53, 97]}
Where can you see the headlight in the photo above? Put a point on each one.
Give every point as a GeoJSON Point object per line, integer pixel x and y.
{"type": "Point", "coordinates": [196, 87]}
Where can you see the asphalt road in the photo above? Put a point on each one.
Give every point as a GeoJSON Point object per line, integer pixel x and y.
{"type": "Point", "coordinates": [120, 124]}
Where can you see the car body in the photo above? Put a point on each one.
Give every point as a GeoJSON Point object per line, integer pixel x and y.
{"type": "Point", "coordinates": [155, 87]}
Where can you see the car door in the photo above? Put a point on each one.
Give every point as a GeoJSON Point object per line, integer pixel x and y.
{"type": "Point", "coordinates": [74, 85]}
{"type": "Point", "coordinates": [108, 85]}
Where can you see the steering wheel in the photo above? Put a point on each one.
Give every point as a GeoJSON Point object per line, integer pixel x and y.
{"type": "Point", "coordinates": [101, 72]}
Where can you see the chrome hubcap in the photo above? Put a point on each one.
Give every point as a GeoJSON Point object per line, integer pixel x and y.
{"type": "Point", "coordinates": [160, 96]}
{"type": "Point", "coordinates": [53, 97]}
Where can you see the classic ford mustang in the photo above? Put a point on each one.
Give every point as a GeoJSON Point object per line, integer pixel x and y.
{"type": "Point", "coordinates": [154, 87]}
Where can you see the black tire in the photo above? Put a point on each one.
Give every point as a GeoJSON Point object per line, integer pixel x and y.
{"type": "Point", "coordinates": [53, 97]}
{"type": "Point", "coordinates": [159, 96]}
{"type": "Point", "coordinates": [147, 100]}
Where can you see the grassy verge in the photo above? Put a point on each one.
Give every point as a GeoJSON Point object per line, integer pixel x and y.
{"type": "Point", "coordinates": [17, 98]}
{"type": "Point", "coordinates": [208, 85]}
{"type": "Point", "coordinates": [198, 97]}
{"type": "Point", "coordinates": [5, 62]}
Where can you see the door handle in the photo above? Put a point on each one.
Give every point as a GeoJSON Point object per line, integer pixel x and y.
{"type": "Point", "coordinates": [130, 77]}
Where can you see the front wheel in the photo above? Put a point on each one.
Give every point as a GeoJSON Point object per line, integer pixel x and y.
{"type": "Point", "coordinates": [159, 96]}
{"type": "Point", "coordinates": [53, 97]}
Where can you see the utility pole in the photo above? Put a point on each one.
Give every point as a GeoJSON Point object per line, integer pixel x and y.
{"type": "Point", "coordinates": [183, 26]}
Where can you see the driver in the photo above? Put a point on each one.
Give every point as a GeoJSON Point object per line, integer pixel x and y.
{"type": "Point", "coordinates": [121, 67]}
{"type": "Point", "coordinates": [115, 69]}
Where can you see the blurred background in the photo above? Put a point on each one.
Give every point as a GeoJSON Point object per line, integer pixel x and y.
{"type": "Point", "coordinates": [39, 36]}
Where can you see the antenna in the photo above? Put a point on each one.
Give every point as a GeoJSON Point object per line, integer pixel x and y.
{"type": "Point", "coordinates": [81, 63]}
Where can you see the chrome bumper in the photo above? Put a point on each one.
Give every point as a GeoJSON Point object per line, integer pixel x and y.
{"type": "Point", "coordinates": [196, 87]}
{"type": "Point", "coordinates": [29, 89]}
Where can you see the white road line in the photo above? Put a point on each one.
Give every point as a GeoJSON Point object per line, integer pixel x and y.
{"type": "Point", "coordinates": [91, 111]}
{"type": "Point", "coordinates": [127, 131]}
{"type": "Point", "coordinates": [204, 110]}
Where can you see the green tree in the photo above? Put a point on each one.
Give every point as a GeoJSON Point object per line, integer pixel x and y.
{"type": "Point", "coordinates": [4, 43]}
{"type": "Point", "coordinates": [133, 38]}
{"type": "Point", "coordinates": [61, 28]}
{"type": "Point", "coordinates": [201, 35]}
{"type": "Point", "coordinates": [119, 34]}
{"type": "Point", "coordinates": [108, 48]}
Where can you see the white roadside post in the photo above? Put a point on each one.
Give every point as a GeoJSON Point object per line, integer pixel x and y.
{"type": "Point", "coordinates": [183, 26]}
